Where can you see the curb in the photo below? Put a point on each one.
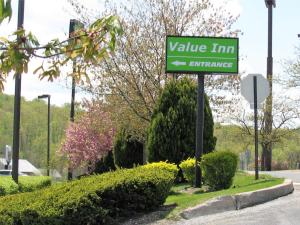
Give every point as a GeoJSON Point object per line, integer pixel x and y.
{"type": "Point", "coordinates": [239, 201]}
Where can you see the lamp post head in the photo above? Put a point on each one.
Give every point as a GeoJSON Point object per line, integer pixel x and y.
{"type": "Point", "coordinates": [298, 35]}
{"type": "Point", "coordinates": [43, 96]}
{"type": "Point", "coordinates": [270, 3]}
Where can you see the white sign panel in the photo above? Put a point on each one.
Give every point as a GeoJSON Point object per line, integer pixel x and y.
{"type": "Point", "coordinates": [247, 89]}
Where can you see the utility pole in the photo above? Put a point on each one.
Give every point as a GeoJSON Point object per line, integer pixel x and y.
{"type": "Point", "coordinates": [267, 147]}
{"type": "Point", "coordinates": [73, 25]}
{"type": "Point", "coordinates": [17, 105]}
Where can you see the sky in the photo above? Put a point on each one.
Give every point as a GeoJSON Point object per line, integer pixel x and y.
{"type": "Point", "coordinates": [49, 19]}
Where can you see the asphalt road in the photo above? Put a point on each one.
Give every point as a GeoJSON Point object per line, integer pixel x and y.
{"type": "Point", "coordinates": [282, 211]}
{"type": "Point", "coordinates": [294, 175]}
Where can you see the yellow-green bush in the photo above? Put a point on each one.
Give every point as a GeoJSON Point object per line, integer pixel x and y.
{"type": "Point", "coordinates": [26, 183]}
{"type": "Point", "coordinates": [188, 169]}
{"type": "Point", "coordinates": [93, 200]}
{"type": "Point", "coordinates": [7, 186]}
{"type": "Point", "coordinates": [32, 183]}
{"type": "Point", "coordinates": [171, 167]}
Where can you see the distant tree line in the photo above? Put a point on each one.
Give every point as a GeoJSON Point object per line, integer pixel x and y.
{"type": "Point", "coordinates": [33, 131]}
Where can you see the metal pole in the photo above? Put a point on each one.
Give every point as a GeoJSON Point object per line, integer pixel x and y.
{"type": "Point", "coordinates": [17, 106]}
{"type": "Point", "coordinates": [255, 126]}
{"type": "Point", "coordinates": [72, 113]}
{"type": "Point", "coordinates": [267, 150]}
{"type": "Point", "coordinates": [73, 23]}
{"type": "Point", "coordinates": [199, 129]}
{"type": "Point", "coordinates": [48, 138]}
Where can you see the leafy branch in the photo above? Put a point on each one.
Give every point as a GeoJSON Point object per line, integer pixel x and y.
{"type": "Point", "coordinates": [89, 45]}
{"type": "Point", "coordinates": [5, 10]}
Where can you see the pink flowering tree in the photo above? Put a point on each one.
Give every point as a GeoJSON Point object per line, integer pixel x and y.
{"type": "Point", "coordinates": [88, 139]}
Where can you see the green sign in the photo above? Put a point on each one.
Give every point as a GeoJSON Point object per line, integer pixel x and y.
{"type": "Point", "coordinates": [201, 54]}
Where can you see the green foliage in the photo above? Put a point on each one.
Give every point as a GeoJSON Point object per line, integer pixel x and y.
{"type": "Point", "coordinates": [170, 167]}
{"type": "Point", "coordinates": [26, 184]}
{"type": "Point", "coordinates": [94, 200]}
{"type": "Point", "coordinates": [285, 154]}
{"type": "Point", "coordinates": [188, 169]}
{"type": "Point", "coordinates": [90, 45]}
{"type": "Point", "coordinates": [106, 164]}
{"type": "Point", "coordinates": [32, 183]}
{"type": "Point", "coordinates": [171, 135]}
{"type": "Point", "coordinates": [219, 169]}
{"type": "Point", "coordinates": [128, 152]}
{"type": "Point", "coordinates": [7, 186]}
{"type": "Point", "coordinates": [232, 138]}
{"type": "Point", "coordinates": [242, 182]}
{"type": "Point", "coordinates": [33, 129]}
{"type": "Point", "coordinates": [5, 10]}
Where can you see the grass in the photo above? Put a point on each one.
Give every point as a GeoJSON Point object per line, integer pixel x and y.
{"type": "Point", "coordinates": [243, 182]}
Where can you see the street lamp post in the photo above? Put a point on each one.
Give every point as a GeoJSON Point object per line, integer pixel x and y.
{"type": "Point", "coordinates": [267, 148]}
{"type": "Point", "coordinates": [48, 135]}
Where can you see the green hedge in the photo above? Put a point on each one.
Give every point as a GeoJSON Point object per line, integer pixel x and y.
{"type": "Point", "coordinates": [218, 169]}
{"type": "Point", "coordinates": [7, 186]}
{"type": "Point", "coordinates": [170, 167]}
{"type": "Point", "coordinates": [89, 201]}
{"type": "Point", "coordinates": [33, 183]}
{"type": "Point", "coordinates": [26, 184]}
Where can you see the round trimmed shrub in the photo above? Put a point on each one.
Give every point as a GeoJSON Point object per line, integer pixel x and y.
{"type": "Point", "coordinates": [218, 169]}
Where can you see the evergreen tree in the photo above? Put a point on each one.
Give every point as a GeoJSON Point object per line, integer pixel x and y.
{"type": "Point", "coordinates": [172, 131]}
{"type": "Point", "coordinates": [105, 164]}
{"type": "Point", "coordinates": [128, 151]}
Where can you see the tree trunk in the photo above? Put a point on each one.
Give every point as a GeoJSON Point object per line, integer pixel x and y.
{"type": "Point", "coordinates": [263, 159]}
{"type": "Point", "coordinates": [145, 155]}
{"type": "Point", "coordinates": [268, 164]}
{"type": "Point", "coordinates": [266, 157]}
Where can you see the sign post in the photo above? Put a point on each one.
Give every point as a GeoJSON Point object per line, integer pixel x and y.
{"type": "Point", "coordinates": [201, 55]}
{"type": "Point", "coordinates": [255, 88]}
{"type": "Point", "coordinates": [199, 129]}
{"type": "Point", "coordinates": [255, 126]}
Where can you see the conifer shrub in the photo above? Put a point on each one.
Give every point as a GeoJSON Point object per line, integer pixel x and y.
{"type": "Point", "coordinates": [172, 131]}
{"type": "Point", "coordinates": [105, 164]}
{"type": "Point", "coordinates": [219, 169]}
{"type": "Point", "coordinates": [128, 151]}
